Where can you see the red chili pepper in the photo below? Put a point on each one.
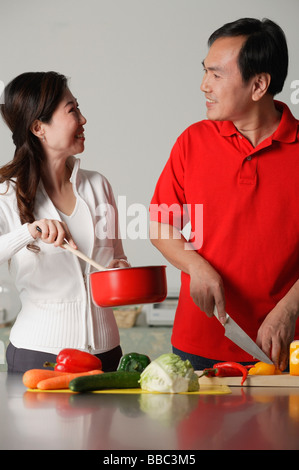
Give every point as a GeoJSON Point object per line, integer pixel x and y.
{"type": "Point", "coordinates": [73, 360]}
{"type": "Point", "coordinates": [227, 369]}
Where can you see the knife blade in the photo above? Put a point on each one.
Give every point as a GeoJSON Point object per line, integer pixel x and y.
{"type": "Point", "coordinates": [238, 336]}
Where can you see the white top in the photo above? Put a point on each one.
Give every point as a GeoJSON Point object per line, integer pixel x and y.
{"type": "Point", "coordinates": [77, 223]}
{"type": "Point", "coordinates": [57, 308]}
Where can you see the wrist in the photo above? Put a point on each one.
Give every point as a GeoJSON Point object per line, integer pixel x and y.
{"type": "Point", "coordinates": [32, 230]}
{"type": "Point", "coordinates": [290, 302]}
{"type": "Point", "coordinates": [290, 307]}
{"type": "Point", "coordinates": [197, 265]}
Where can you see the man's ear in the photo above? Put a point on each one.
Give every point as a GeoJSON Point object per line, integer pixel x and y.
{"type": "Point", "coordinates": [37, 129]}
{"type": "Point", "coordinates": [260, 85]}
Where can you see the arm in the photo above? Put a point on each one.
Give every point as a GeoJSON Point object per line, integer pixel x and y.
{"type": "Point", "coordinates": [14, 237]}
{"type": "Point", "coordinates": [119, 258]}
{"type": "Point", "coordinates": [206, 287]}
{"type": "Point", "coordinates": [277, 330]}
{"type": "Point", "coordinates": [12, 242]}
{"type": "Point", "coordinates": [54, 231]}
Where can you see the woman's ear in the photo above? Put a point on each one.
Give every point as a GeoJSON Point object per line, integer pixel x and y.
{"type": "Point", "coordinates": [260, 85]}
{"type": "Point", "coordinates": [37, 129]}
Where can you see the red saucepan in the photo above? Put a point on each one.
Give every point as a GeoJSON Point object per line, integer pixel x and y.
{"type": "Point", "coordinates": [125, 286]}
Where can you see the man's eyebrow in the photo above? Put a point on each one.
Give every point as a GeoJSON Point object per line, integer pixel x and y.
{"type": "Point", "coordinates": [214, 69]}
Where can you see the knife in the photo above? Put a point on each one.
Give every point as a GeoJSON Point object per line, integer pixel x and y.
{"type": "Point", "coordinates": [239, 337]}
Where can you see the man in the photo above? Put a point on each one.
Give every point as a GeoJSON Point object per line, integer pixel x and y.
{"type": "Point", "coordinates": [242, 166]}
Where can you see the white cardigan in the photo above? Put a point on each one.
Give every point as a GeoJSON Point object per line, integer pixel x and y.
{"type": "Point", "coordinates": [57, 308]}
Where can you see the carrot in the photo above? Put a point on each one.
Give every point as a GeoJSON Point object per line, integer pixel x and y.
{"type": "Point", "coordinates": [32, 376]}
{"type": "Point", "coordinates": [57, 383]}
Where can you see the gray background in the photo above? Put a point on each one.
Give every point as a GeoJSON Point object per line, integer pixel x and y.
{"type": "Point", "coordinates": [135, 68]}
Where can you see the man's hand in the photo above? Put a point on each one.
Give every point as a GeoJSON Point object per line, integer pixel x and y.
{"type": "Point", "coordinates": [206, 290]}
{"type": "Point", "coordinates": [275, 335]}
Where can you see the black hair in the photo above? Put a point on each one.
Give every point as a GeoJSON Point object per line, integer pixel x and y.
{"type": "Point", "coordinates": [29, 96]}
{"type": "Point", "coordinates": [265, 49]}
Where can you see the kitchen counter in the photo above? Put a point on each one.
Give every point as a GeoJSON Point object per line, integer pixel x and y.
{"type": "Point", "coordinates": [247, 418]}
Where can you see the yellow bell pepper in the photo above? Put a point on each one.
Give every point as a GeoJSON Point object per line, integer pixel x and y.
{"type": "Point", "coordinates": [261, 368]}
{"type": "Point", "coordinates": [294, 358]}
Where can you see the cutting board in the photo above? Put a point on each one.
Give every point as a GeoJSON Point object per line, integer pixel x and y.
{"type": "Point", "coordinates": [205, 389]}
{"type": "Point", "coordinates": [281, 380]}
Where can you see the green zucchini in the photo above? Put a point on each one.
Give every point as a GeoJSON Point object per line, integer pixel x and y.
{"type": "Point", "coordinates": [105, 381]}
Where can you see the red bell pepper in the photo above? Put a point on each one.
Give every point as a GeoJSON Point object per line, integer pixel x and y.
{"type": "Point", "coordinates": [73, 360]}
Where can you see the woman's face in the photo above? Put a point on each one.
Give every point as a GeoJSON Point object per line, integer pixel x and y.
{"type": "Point", "coordinates": [64, 135]}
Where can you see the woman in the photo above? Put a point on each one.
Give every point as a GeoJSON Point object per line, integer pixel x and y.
{"type": "Point", "coordinates": [43, 186]}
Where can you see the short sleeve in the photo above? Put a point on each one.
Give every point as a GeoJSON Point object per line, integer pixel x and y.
{"type": "Point", "coordinates": [168, 204]}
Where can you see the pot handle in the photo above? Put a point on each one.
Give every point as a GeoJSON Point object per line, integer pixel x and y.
{"type": "Point", "coordinates": [78, 253]}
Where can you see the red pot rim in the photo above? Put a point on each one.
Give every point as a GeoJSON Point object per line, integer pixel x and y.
{"type": "Point", "coordinates": [132, 268]}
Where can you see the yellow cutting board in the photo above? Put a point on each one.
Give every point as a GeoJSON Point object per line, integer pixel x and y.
{"type": "Point", "coordinates": [281, 380]}
{"type": "Point", "coordinates": [209, 389]}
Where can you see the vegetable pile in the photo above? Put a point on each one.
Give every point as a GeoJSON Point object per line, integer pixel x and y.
{"type": "Point", "coordinates": [81, 371]}
{"type": "Point", "coordinates": [70, 363]}
{"type": "Point", "coordinates": [234, 369]}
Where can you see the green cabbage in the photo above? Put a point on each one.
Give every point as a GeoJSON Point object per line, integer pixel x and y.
{"type": "Point", "coordinates": [169, 374]}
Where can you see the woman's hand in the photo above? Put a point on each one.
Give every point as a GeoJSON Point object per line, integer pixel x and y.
{"type": "Point", "coordinates": [52, 231]}
{"type": "Point", "coordinates": [118, 263]}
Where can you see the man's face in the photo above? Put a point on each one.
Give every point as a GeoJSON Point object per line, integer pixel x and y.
{"type": "Point", "coordinates": [228, 97]}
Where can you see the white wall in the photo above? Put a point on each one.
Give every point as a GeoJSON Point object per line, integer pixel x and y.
{"type": "Point", "coordinates": [135, 67]}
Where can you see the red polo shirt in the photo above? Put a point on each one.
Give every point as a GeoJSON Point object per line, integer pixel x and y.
{"type": "Point", "coordinates": [249, 224]}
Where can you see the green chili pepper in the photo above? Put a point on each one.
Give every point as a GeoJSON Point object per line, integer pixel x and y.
{"type": "Point", "coordinates": [133, 362]}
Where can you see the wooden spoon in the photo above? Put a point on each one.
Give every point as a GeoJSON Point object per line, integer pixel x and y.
{"type": "Point", "coordinates": [79, 254]}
